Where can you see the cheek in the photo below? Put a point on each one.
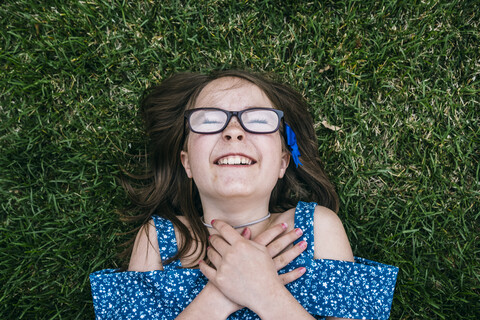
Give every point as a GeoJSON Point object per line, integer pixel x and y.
{"type": "Point", "coordinates": [192, 143]}
{"type": "Point", "coordinates": [276, 146]}
{"type": "Point", "coordinates": [199, 148]}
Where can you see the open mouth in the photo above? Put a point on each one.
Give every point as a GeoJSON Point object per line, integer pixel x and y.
{"type": "Point", "coordinates": [235, 160]}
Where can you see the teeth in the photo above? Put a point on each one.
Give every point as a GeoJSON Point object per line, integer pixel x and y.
{"type": "Point", "coordinates": [235, 160]}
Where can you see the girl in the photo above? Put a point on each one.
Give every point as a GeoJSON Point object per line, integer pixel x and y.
{"type": "Point", "coordinates": [225, 232]}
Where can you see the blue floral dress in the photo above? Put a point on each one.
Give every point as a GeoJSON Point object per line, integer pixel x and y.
{"type": "Point", "coordinates": [360, 290]}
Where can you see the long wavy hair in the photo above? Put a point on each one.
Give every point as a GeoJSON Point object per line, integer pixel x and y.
{"type": "Point", "coordinates": [166, 191]}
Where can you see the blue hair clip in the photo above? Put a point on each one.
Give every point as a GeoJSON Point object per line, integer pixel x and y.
{"type": "Point", "coordinates": [292, 143]}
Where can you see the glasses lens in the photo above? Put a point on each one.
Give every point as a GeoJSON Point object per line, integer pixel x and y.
{"type": "Point", "coordinates": [260, 121]}
{"type": "Point", "coordinates": [206, 121]}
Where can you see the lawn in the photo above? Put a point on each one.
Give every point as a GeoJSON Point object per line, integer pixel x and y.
{"type": "Point", "coordinates": [394, 87]}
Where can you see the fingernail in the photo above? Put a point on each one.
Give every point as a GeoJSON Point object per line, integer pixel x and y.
{"type": "Point", "coordinates": [302, 270]}
{"type": "Point", "coordinates": [209, 237]}
{"type": "Point", "coordinates": [212, 222]}
{"type": "Point", "coordinates": [298, 231]}
{"type": "Point", "coordinates": [284, 226]}
{"type": "Point", "coordinates": [200, 261]}
{"type": "Point", "coordinates": [244, 231]}
{"type": "Point", "coordinates": [302, 244]}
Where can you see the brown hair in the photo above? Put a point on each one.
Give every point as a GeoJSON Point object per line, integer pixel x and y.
{"type": "Point", "coordinates": [165, 189]}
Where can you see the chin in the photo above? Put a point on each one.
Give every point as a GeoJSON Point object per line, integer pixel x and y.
{"type": "Point", "coordinates": [244, 191]}
{"type": "Point", "coordinates": [236, 193]}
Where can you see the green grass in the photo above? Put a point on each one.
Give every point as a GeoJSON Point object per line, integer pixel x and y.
{"type": "Point", "coordinates": [400, 80]}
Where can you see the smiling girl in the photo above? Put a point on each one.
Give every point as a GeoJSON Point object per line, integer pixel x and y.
{"type": "Point", "coordinates": [225, 232]}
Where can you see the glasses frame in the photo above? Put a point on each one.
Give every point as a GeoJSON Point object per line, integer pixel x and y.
{"type": "Point", "coordinates": [237, 114]}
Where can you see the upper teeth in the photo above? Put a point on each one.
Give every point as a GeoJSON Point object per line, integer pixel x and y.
{"type": "Point", "coordinates": [234, 160]}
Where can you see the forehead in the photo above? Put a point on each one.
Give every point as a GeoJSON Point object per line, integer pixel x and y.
{"type": "Point", "coordinates": [232, 93]}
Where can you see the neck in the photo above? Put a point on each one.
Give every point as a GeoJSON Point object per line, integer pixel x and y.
{"type": "Point", "coordinates": [243, 225]}
{"type": "Point", "coordinates": [237, 213]}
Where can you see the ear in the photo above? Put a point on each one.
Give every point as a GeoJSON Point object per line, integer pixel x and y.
{"type": "Point", "coordinates": [186, 163]}
{"type": "Point", "coordinates": [284, 164]}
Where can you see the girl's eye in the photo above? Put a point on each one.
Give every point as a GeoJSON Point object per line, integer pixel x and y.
{"type": "Point", "coordinates": [210, 121]}
{"type": "Point", "coordinates": [261, 121]}
{"type": "Point", "coordinates": [214, 117]}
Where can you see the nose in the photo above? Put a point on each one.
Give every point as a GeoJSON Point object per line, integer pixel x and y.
{"type": "Point", "coordinates": [233, 130]}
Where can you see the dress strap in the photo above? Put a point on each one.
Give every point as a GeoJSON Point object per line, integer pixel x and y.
{"type": "Point", "coordinates": [304, 214]}
{"type": "Point", "coordinates": [167, 243]}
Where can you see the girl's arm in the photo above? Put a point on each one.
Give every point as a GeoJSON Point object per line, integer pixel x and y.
{"type": "Point", "coordinates": [331, 241]}
{"type": "Point", "coordinates": [207, 301]}
{"type": "Point", "coordinates": [245, 275]}
{"type": "Point", "coordinates": [146, 254]}
{"type": "Point", "coordinates": [211, 303]}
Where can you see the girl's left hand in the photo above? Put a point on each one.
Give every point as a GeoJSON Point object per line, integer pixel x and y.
{"type": "Point", "coordinates": [244, 270]}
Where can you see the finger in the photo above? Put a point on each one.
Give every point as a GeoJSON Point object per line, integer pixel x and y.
{"type": "Point", "coordinates": [292, 275]}
{"type": "Point", "coordinates": [282, 242]}
{"type": "Point", "coordinates": [207, 271]}
{"type": "Point", "coordinates": [214, 257]}
{"type": "Point", "coordinates": [286, 257]}
{"type": "Point", "coordinates": [268, 235]}
{"type": "Point", "coordinates": [246, 233]}
{"type": "Point", "coordinates": [226, 231]}
{"type": "Point", "coordinates": [219, 244]}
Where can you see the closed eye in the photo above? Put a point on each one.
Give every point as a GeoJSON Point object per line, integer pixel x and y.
{"type": "Point", "coordinates": [258, 121]}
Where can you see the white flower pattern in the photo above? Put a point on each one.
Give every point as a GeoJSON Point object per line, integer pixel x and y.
{"type": "Point", "coordinates": [361, 290]}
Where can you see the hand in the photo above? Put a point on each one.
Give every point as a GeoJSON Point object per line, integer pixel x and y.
{"type": "Point", "coordinates": [244, 270]}
{"type": "Point", "coordinates": [211, 302]}
{"type": "Point", "coordinates": [276, 248]}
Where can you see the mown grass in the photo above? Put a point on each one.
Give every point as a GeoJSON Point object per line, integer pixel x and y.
{"type": "Point", "coordinates": [399, 80]}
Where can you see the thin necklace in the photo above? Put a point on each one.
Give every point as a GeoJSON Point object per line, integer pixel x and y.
{"type": "Point", "coordinates": [242, 225]}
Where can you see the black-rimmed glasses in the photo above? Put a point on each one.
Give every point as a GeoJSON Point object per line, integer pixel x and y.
{"type": "Point", "coordinates": [214, 120]}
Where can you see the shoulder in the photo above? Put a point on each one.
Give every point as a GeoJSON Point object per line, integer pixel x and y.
{"type": "Point", "coordinates": [331, 241]}
{"type": "Point", "coordinates": [145, 254]}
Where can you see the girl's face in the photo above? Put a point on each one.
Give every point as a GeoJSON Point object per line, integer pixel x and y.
{"type": "Point", "coordinates": [207, 155]}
